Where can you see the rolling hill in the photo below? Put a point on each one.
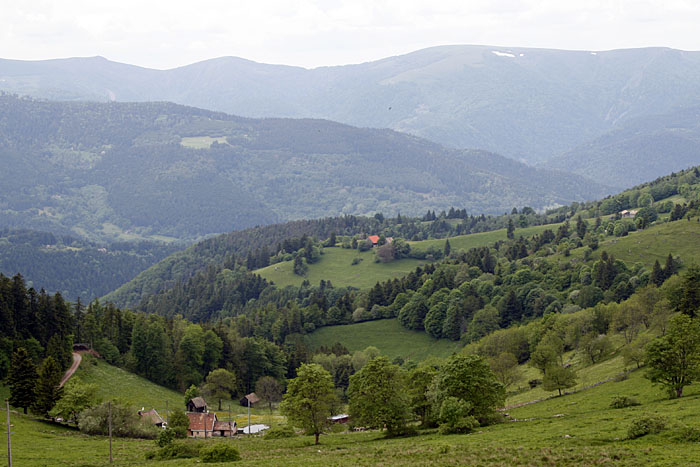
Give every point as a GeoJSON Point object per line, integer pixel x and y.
{"type": "Point", "coordinates": [530, 104]}
{"type": "Point", "coordinates": [117, 171]}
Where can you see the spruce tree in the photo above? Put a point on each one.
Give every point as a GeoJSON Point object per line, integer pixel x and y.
{"type": "Point", "coordinates": [47, 388]}
{"type": "Point", "coordinates": [657, 274]}
{"type": "Point", "coordinates": [447, 249]}
{"type": "Point", "coordinates": [22, 379]}
{"type": "Point", "coordinates": [669, 267]}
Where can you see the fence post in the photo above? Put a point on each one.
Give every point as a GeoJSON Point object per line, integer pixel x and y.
{"type": "Point", "coordinates": [9, 445]}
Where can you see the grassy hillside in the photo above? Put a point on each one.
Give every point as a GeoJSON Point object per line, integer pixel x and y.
{"type": "Point", "coordinates": [113, 382]}
{"type": "Point", "coordinates": [392, 339]}
{"type": "Point", "coordinates": [336, 266]}
{"type": "Point", "coordinates": [465, 242]}
{"type": "Point", "coordinates": [577, 429]}
{"type": "Point", "coordinates": [680, 238]}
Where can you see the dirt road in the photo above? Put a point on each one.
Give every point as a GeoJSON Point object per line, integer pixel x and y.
{"type": "Point", "coordinates": [77, 358]}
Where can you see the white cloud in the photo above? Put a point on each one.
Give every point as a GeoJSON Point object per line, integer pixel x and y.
{"type": "Point", "coordinates": [316, 32]}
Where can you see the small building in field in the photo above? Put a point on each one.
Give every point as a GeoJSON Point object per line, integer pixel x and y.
{"type": "Point", "coordinates": [197, 404]}
{"type": "Point", "coordinates": [629, 213]}
{"type": "Point", "coordinates": [340, 418]}
{"type": "Point", "coordinates": [253, 429]}
{"type": "Point", "coordinates": [251, 398]}
{"type": "Point", "coordinates": [225, 429]}
{"type": "Point", "coordinates": [201, 424]}
{"type": "Point", "coordinates": [153, 416]}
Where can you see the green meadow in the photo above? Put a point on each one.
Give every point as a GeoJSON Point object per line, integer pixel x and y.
{"type": "Point", "coordinates": [335, 265]}
{"type": "Point", "coordinates": [392, 340]}
{"type": "Point", "coordinates": [201, 142]}
{"type": "Point", "coordinates": [576, 429]}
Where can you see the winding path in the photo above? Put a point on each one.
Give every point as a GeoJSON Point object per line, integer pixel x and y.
{"type": "Point", "coordinates": [77, 358]}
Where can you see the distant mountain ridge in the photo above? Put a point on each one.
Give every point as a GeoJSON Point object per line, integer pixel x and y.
{"type": "Point", "coordinates": [530, 104]}
{"type": "Point", "coordinates": [123, 171]}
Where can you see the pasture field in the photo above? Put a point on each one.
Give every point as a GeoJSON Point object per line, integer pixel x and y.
{"type": "Point", "coordinates": [576, 429]}
{"type": "Point", "coordinates": [392, 340]}
{"type": "Point", "coordinates": [201, 142]}
{"type": "Point", "coordinates": [335, 265]}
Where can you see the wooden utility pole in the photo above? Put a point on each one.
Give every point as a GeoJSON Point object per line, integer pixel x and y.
{"type": "Point", "coordinates": [248, 417]}
{"type": "Point", "coordinates": [167, 421]}
{"type": "Point", "coordinates": [109, 409]}
{"type": "Point", "coordinates": [230, 422]}
{"type": "Point", "coordinates": [9, 445]}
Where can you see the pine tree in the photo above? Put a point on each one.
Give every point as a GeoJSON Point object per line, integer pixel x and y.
{"type": "Point", "coordinates": [47, 388]}
{"type": "Point", "coordinates": [22, 379]}
{"type": "Point", "coordinates": [581, 227]}
{"type": "Point", "coordinates": [446, 251]}
{"type": "Point", "coordinates": [657, 274]}
{"type": "Point", "coordinates": [511, 229]}
{"type": "Point", "coordinates": [669, 267]}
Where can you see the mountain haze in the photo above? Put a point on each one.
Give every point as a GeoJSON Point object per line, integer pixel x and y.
{"type": "Point", "coordinates": [530, 104]}
{"type": "Point", "coordinates": [639, 150]}
{"type": "Point", "coordinates": [120, 171]}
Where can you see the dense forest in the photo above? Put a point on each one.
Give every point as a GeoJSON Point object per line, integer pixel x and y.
{"type": "Point", "coordinates": [74, 267]}
{"type": "Point", "coordinates": [121, 171]}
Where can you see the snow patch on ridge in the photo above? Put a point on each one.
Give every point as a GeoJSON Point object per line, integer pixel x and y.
{"type": "Point", "coordinates": [503, 54]}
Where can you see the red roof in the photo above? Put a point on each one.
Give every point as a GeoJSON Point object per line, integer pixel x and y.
{"type": "Point", "coordinates": [374, 239]}
{"type": "Point", "coordinates": [198, 419]}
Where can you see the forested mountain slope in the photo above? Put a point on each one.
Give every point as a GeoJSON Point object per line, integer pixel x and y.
{"type": "Point", "coordinates": [639, 150]}
{"type": "Point", "coordinates": [162, 171]}
{"type": "Point", "coordinates": [523, 103]}
{"type": "Point", "coordinates": [75, 267]}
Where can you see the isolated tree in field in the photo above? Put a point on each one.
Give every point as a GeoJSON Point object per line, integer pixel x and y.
{"type": "Point", "coordinates": [269, 390]}
{"type": "Point", "coordinates": [77, 396]}
{"type": "Point", "coordinates": [558, 377]}
{"type": "Point", "coordinates": [220, 384]}
{"type": "Point", "coordinates": [469, 378]}
{"type": "Point", "coordinates": [674, 359]}
{"type": "Point", "coordinates": [309, 399]}
{"type": "Point", "coordinates": [22, 379]}
{"type": "Point", "coordinates": [377, 396]}
{"type": "Point", "coordinates": [447, 249]}
{"type": "Point", "coordinates": [47, 390]}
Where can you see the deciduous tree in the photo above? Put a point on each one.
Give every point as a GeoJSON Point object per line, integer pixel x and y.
{"type": "Point", "coordinates": [309, 399]}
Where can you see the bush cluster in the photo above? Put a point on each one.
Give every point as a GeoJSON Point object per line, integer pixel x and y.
{"type": "Point", "coordinates": [620, 402]}
{"type": "Point", "coordinates": [645, 425]}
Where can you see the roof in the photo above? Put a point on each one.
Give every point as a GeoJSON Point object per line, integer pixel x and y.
{"type": "Point", "coordinates": [152, 416]}
{"type": "Point", "coordinates": [222, 425]}
{"type": "Point", "coordinates": [340, 416]}
{"type": "Point", "coordinates": [252, 429]}
{"type": "Point", "coordinates": [198, 402]}
{"type": "Point", "coordinates": [198, 419]}
{"type": "Point", "coordinates": [373, 238]}
{"type": "Point", "coordinates": [252, 398]}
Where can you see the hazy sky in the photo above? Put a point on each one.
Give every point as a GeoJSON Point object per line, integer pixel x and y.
{"type": "Point", "coordinates": [167, 34]}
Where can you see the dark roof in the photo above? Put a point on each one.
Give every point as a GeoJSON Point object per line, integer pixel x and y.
{"type": "Point", "coordinates": [252, 397]}
{"type": "Point", "coordinates": [152, 416]}
{"type": "Point", "coordinates": [198, 419]}
{"type": "Point", "coordinates": [198, 402]}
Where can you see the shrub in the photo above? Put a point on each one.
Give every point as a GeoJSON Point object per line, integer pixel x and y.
{"type": "Point", "coordinates": [284, 431]}
{"type": "Point", "coordinates": [165, 437]}
{"type": "Point", "coordinates": [177, 450]}
{"type": "Point", "coordinates": [125, 422]}
{"type": "Point", "coordinates": [620, 402]}
{"type": "Point", "coordinates": [647, 424]}
{"type": "Point", "coordinates": [219, 452]}
{"type": "Point", "coordinates": [688, 434]}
